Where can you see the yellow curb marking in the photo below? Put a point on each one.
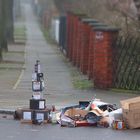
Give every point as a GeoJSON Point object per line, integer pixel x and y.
{"type": "Point", "coordinates": [18, 81]}
{"type": "Point", "coordinates": [21, 74]}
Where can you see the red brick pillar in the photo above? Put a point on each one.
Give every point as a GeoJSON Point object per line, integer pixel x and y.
{"type": "Point", "coordinates": [78, 43]}
{"type": "Point", "coordinates": [103, 56]}
{"type": "Point", "coordinates": [76, 37]}
{"type": "Point", "coordinates": [74, 50]}
{"type": "Point", "coordinates": [71, 42]}
{"type": "Point", "coordinates": [45, 19]}
{"type": "Point", "coordinates": [70, 28]}
{"type": "Point", "coordinates": [84, 48]}
{"type": "Point", "coordinates": [68, 34]}
{"type": "Point", "coordinates": [91, 54]}
{"type": "Point", "coordinates": [91, 47]}
{"type": "Point", "coordinates": [84, 51]}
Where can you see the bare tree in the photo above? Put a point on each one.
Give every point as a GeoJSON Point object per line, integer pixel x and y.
{"type": "Point", "coordinates": [137, 4]}
{"type": "Point", "coordinates": [120, 13]}
{"type": "Point", "coordinates": [127, 12]}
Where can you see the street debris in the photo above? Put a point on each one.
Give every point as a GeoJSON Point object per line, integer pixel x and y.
{"type": "Point", "coordinates": [101, 114]}
{"type": "Point", "coordinates": [96, 113]}
{"type": "Point", "coordinates": [87, 113]}
{"type": "Point", "coordinates": [131, 112]}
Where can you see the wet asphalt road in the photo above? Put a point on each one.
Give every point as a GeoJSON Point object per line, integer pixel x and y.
{"type": "Point", "coordinates": [14, 130]}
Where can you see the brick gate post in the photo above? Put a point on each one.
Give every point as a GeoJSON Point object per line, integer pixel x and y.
{"type": "Point", "coordinates": [103, 56]}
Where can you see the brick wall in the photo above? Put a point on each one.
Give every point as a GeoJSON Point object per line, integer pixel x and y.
{"type": "Point", "coordinates": [89, 45]}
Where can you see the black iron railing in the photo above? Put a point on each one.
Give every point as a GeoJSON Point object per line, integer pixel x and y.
{"type": "Point", "coordinates": [127, 63]}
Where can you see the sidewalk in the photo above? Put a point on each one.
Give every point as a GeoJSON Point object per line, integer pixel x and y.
{"type": "Point", "coordinates": [15, 83]}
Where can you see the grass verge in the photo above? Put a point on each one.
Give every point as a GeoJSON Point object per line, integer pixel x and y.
{"type": "Point", "coordinates": [80, 81]}
{"type": "Point", "coordinates": [20, 33]}
{"type": "Point", "coordinates": [47, 35]}
{"type": "Point", "coordinates": [125, 91]}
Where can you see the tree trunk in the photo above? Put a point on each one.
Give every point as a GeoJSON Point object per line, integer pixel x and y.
{"type": "Point", "coordinates": [1, 29]}
{"type": "Point", "coordinates": [137, 4]}
{"type": "Point", "coordinates": [0, 55]}
{"type": "Point", "coordinates": [16, 9]}
{"type": "Point", "coordinates": [9, 19]}
{"type": "Point", "coordinates": [3, 39]}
